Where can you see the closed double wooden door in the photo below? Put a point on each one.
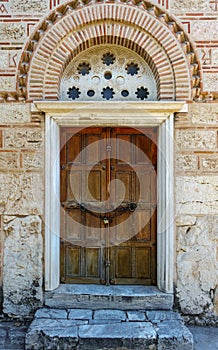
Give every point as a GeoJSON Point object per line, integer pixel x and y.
{"type": "Point", "coordinates": [108, 212]}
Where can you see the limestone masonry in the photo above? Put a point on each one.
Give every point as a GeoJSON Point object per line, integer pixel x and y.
{"type": "Point", "coordinates": [178, 40]}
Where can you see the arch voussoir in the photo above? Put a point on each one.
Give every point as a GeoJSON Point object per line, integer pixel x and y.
{"type": "Point", "coordinates": [72, 28]}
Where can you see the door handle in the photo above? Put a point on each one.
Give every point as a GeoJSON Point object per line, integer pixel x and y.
{"type": "Point", "coordinates": [104, 167]}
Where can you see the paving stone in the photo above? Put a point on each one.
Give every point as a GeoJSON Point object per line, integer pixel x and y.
{"type": "Point", "coordinates": [110, 315]}
{"type": "Point", "coordinates": [173, 335]}
{"type": "Point", "coordinates": [126, 335]}
{"type": "Point", "coordinates": [17, 337]}
{"type": "Point", "coordinates": [51, 313]}
{"type": "Point", "coordinates": [52, 325]}
{"type": "Point", "coordinates": [163, 315]}
{"type": "Point", "coordinates": [136, 316]}
{"type": "Point", "coordinates": [78, 314]}
{"type": "Point", "coordinates": [51, 334]}
{"type": "Point", "coordinates": [3, 334]}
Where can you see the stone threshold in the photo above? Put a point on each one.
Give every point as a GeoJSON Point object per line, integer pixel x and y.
{"type": "Point", "coordinates": [87, 329]}
{"type": "Point", "coordinates": [109, 297]}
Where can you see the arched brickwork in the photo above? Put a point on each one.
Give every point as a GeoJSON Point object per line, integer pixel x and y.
{"type": "Point", "coordinates": [140, 26]}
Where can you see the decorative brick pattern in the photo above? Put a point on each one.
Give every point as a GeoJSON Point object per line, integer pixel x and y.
{"type": "Point", "coordinates": [70, 30]}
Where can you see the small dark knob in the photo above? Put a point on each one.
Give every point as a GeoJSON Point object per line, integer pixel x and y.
{"type": "Point", "coordinates": [63, 167]}
{"type": "Point", "coordinates": [112, 167]}
{"type": "Point", "coordinates": [104, 167]}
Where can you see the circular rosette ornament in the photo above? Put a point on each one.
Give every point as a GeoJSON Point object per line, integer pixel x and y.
{"type": "Point", "coordinates": [108, 93]}
{"type": "Point", "coordinates": [73, 92]}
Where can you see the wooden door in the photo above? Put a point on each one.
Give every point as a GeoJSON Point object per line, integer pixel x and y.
{"type": "Point", "coordinates": [108, 196]}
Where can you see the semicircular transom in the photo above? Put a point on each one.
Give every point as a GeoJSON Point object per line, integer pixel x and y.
{"type": "Point", "coordinates": [144, 29]}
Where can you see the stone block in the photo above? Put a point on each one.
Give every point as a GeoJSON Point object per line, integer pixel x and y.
{"type": "Point", "coordinates": [51, 334]}
{"type": "Point", "coordinates": [7, 83]}
{"type": "Point", "coordinates": [29, 138]}
{"type": "Point", "coordinates": [97, 296]}
{"type": "Point", "coordinates": [19, 7]}
{"type": "Point", "coordinates": [78, 314]}
{"type": "Point", "coordinates": [186, 220]}
{"type": "Point", "coordinates": [197, 265]}
{"type": "Point", "coordinates": [196, 139]}
{"type": "Point", "coordinates": [203, 113]}
{"type": "Point", "coordinates": [126, 335]}
{"type": "Point", "coordinates": [196, 195]}
{"type": "Point", "coordinates": [136, 316]}
{"type": "Point", "coordinates": [159, 316]}
{"type": "Point", "coordinates": [186, 162]}
{"type": "Point", "coordinates": [173, 335]}
{"type": "Point", "coordinates": [209, 163]}
{"type": "Point", "coordinates": [17, 337]}
{"type": "Point", "coordinates": [14, 113]}
{"type": "Point", "coordinates": [21, 193]}
{"type": "Point", "coordinates": [51, 313]}
{"type": "Point", "coordinates": [110, 315]}
{"type": "Point", "coordinates": [205, 30]}
{"type": "Point", "coordinates": [12, 32]}
{"type": "Point", "coordinates": [9, 160]}
{"type": "Point", "coordinates": [3, 335]}
{"type": "Point", "coordinates": [180, 6]}
{"type": "Point", "coordinates": [210, 81]}
{"type": "Point", "coordinates": [22, 278]}
{"type": "Point", "coordinates": [32, 160]}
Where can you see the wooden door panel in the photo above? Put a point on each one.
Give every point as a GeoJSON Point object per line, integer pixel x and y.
{"type": "Point", "coordinates": [92, 262]}
{"type": "Point", "coordinates": [126, 178]}
{"type": "Point", "coordinates": [72, 262]}
{"type": "Point", "coordinates": [74, 185]}
{"type": "Point", "coordinates": [122, 154]}
{"type": "Point", "coordinates": [123, 262]}
{"type": "Point", "coordinates": [83, 180]}
{"type": "Point", "coordinates": [137, 237]}
{"type": "Point", "coordinates": [143, 262]}
{"type": "Point", "coordinates": [74, 146]}
{"type": "Point", "coordinates": [143, 190]}
{"type": "Point", "coordinates": [73, 218]}
{"type": "Point", "coordinates": [92, 181]}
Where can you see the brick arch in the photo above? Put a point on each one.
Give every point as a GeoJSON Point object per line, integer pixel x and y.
{"type": "Point", "coordinates": [74, 27]}
{"type": "Point", "coordinates": [163, 73]}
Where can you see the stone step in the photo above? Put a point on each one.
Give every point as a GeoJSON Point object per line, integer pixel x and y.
{"type": "Point", "coordinates": [86, 329]}
{"type": "Point", "coordinates": [109, 297]}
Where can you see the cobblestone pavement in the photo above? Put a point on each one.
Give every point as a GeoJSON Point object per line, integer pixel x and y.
{"type": "Point", "coordinates": [12, 336]}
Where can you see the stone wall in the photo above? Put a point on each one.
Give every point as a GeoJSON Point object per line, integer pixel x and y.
{"type": "Point", "coordinates": [21, 208]}
{"type": "Point", "coordinates": [22, 278]}
{"type": "Point", "coordinates": [22, 163]}
{"type": "Point", "coordinates": [197, 212]}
